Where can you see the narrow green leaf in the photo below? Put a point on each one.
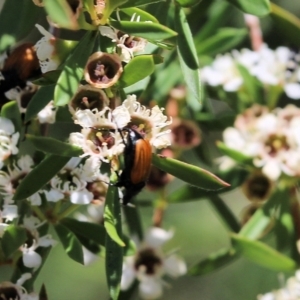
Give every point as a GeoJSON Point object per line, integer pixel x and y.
{"type": "Point", "coordinates": [251, 84]}
{"type": "Point", "coordinates": [138, 68]}
{"type": "Point", "coordinates": [40, 175]}
{"type": "Point", "coordinates": [72, 72]}
{"type": "Point", "coordinates": [262, 218]}
{"type": "Point", "coordinates": [143, 15]}
{"type": "Point", "coordinates": [112, 216]}
{"type": "Point", "coordinates": [254, 7]}
{"type": "Point", "coordinates": [114, 251]}
{"type": "Point", "coordinates": [48, 78]}
{"type": "Point", "coordinates": [214, 262]}
{"type": "Point", "coordinates": [134, 3]}
{"type": "Point", "coordinates": [287, 23]}
{"type": "Point", "coordinates": [234, 154]}
{"type": "Point", "coordinates": [262, 254]}
{"type": "Point", "coordinates": [188, 193]}
{"type": "Point", "coordinates": [53, 146]}
{"type": "Point", "coordinates": [188, 3]}
{"type": "Point", "coordinates": [110, 6]}
{"type": "Point", "coordinates": [185, 42]}
{"type": "Point", "coordinates": [25, 15]}
{"type": "Point", "coordinates": [70, 243]}
{"type": "Point", "coordinates": [40, 99]}
{"type": "Point", "coordinates": [149, 31]}
{"type": "Point", "coordinates": [224, 213]}
{"type": "Point", "coordinates": [192, 79]}
{"type": "Point", "coordinates": [284, 229]}
{"type": "Point", "coordinates": [225, 39]}
{"type": "Point", "coordinates": [11, 111]}
{"type": "Point", "coordinates": [188, 59]}
{"type": "Point", "coordinates": [61, 13]}
{"type": "Point", "coordinates": [13, 238]}
{"type": "Point", "coordinates": [92, 231]}
{"type": "Point", "coordinates": [191, 174]}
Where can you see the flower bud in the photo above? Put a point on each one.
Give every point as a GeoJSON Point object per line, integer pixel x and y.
{"type": "Point", "coordinates": [103, 70]}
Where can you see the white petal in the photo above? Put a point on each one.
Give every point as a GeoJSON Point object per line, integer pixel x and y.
{"type": "Point", "coordinates": [292, 90]}
{"type": "Point", "coordinates": [46, 241]}
{"type": "Point", "coordinates": [10, 212]}
{"type": "Point", "coordinates": [108, 32]}
{"type": "Point", "coordinates": [53, 195]}
{"type": "Point", "coordinates": [233, 85]}
{"type": "Point", "coordinates": [156, 236]}
{"type": "Point", "coordinates": [6, 126]}
{"type": "Point", "coordinates": [272, 169]}
{"type": "Point", "coordinates": [23, 278]}
{"type": "Point", "coordinates": [89, 257]}
{"type": "Point", "coordinates": [31, 259]}
{"type": "Point", "coordinates": [35, 199]}
{"type": "Point", "coordinates": [128, 274]}
{"type": "Point", "coordinates": [175, 266]}
{"type": "Point", "coordinates": [82, 197]}
{"type": "Point", "coordinates": [150, 288]}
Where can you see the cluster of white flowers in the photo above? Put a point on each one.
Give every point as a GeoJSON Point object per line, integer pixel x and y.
{"type": "Point", "coordinates": [271, 138]}
{"type": "Point", "coordinates": [150, 264]}
{"type": "Point", "coordinates": [291, 291]}
{"type": "Point", "coordinates": [270, 67]}
{"type": "Point", "coordinates": [100, 137]}
{"type": "Point", "coordinates": [9, 290]}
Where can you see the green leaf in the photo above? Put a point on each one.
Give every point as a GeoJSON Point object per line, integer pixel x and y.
{"type": "Point", "coordinates": [143, 15]}
{"type": "Point", "coordinates": [254, 7]}
{"type": "Point", "coordinates": [92, 231]}
{"type": "Point", "coordinates": [70, 243]}
{"type": "Point", "coordinates": [234, 154]}
{"type": "Point", "coordinates": [263, 216]}
{"type": "Point", "coordinates": [214, 262]}
{"type": "Point", "coordinates": [251, 85]}
{"type": "Point", "coordinates": [185, 43]}
{"type": "Point", "coordinates": [53, 146]}
{"type": "Point", "coordinates": [40, 99]}
{"type": "Point", "coordinates": [16, 21]}
{"type": "Point", "coordinates": [13, 238]}
{"type": "Point", "coordinates": [138, 68]}
{"type": "Point", "coordinates": [114, 251]}
{"type": "Point", "coordinates": [284, 226]}
{"type": "Point", "coordinates": [191, 174]}
{"type": "Point", "coordinates": [224, 213]}
{"type": "Point", "coordinates": [188, 3]}
{"type": "Point", "coordinates": [225, 39]}
{"type": "Point", "coordinates": [188, 59]}
{"type": "Point", "coordinates": [11, 111]}
{"type": "Point", "coordinates": [40, 175]}
{"type": "Point", "coordinates": [72, 72]}
{"type": "Point", "coordinates": [134, 3]}
{"type": "Point", "coordinates": [262, 254]}
{"type": "Point", "coordinates": [188, 193]}
{"type": "Point", "coordinates": [60, 12]}
{"type": "Point", "coordinates": [110, 6]}
{"type": "Point", "coordinates": [149, 31]}
{"type": "Point", "coordinates": [48, 78]}
{"type": "Point", "coordinates": [112, 216]}
{"type": "Point", "coordinates": [287, 23]}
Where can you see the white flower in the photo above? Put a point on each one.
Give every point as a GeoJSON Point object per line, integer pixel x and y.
{"type": "Point", "coordinates": [128, 44]}
{"type": "Point", "coordinates": [8, 290]}
{"type": "Point", "coordinates": [150, 122]}
{"type": "Point", "coordinates": [47, 114]}
{"type": "Point", "coordinates": [72, 180]}
{"type": "Point", "coordinates": [8, 139]}
{"type": "Point", "coordinates": [10, 179]}
{"type": "Point", "coordinates": [272, 139]}
{"type": "Point", "coordinates": [45, 51]}
{"type": "Point", "coordinates": [150, 264]}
